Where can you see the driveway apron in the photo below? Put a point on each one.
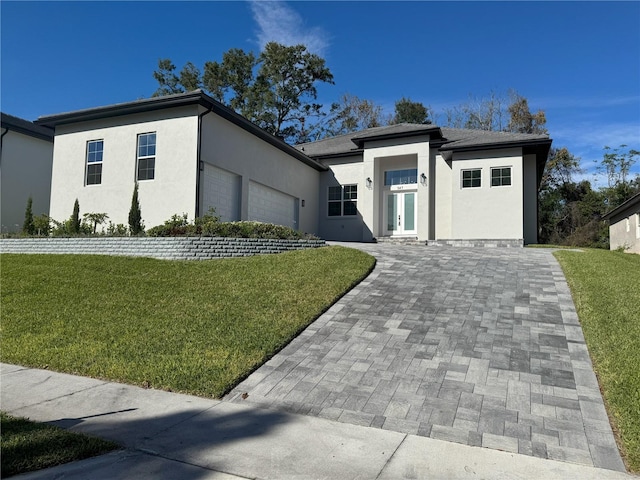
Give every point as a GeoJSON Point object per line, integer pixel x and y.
{"type": "Point", "coordinates": [479, 346]}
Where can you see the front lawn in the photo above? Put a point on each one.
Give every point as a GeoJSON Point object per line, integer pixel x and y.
{"type": "Point", "coordinates": [606, 290]}
{"type": "Point", "coordinates": [196, 327]}
{"type": "Point", "coordinates": [28, 446]}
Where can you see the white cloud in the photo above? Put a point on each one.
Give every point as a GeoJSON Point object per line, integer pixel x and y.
{"type": "Point", "coordinates": [277, 22]}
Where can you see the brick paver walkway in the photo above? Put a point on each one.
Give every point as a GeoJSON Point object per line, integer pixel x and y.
{"type": "Point", "coordinates": [478, 346]}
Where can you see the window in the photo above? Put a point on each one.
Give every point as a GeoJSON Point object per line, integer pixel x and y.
{"type": "Point", "coordinates": [343, 201]}
{"type": "Point", "coordinates": [471, 178]}
{"type": "Point", "coordinates": [401, 177]}
{"type": "Point", "coordinates": [637, 225]}
{"type": "Point", "coordinates": [627, 224]}
{"type": "Point", "coordinates": [95, 149]}
{"type": "Point", "coordinates": [146, 156]}
{"type": "Point", "coordinates": [500, 176]}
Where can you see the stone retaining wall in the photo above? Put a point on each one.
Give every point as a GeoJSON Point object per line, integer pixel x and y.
{"type": "Point", "coordinates": [170, 248]}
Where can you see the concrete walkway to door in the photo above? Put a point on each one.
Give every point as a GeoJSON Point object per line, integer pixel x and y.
{"type": "Point", "coordinates": [477, 346]}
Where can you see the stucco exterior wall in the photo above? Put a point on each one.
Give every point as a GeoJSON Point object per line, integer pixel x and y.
{"type": "Point", "coordinates": [237, 151]}
{"type": "Point", "coordinates": [172, 191]}
{"type": "Point", "coordinates": [25, 171]}
{"type": "Point", "coordinates": [487, 212]}
{"type": "Point", "coordinates": [350, 228]}
{"type": "Point", "coordinates": [624, 231]}
{"type": "Point", "coordinates": [443, 185]}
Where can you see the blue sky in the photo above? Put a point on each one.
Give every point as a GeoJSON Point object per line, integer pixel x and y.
{"type": "Point", "coordinates": [577, 61]}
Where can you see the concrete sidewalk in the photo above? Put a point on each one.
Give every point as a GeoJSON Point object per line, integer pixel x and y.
{"type": "Point", "coordinates": [167, 436]}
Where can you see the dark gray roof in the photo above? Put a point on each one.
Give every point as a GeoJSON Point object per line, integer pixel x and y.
{"type": "Point", "coordinates": [624, 208]}
{"type": "Point", "coordinates": [197, 97]}
{"type": "Point", "coordinates": [26, 127]}
{"type": "Point", "coordinates": [448, 139]}
{"type": "Point", "coordinates": [460, 138]}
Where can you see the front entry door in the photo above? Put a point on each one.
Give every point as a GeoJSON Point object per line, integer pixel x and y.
{"type": "Point", "coordinates": [400, 213]}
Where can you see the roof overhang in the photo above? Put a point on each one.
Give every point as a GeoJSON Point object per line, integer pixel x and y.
{"type": "Point", "coordinates": [25, 127]}
{"type": "Point", "coordinates": [197, 97]}
{"type": "Point", "coordinates": [360, 140]}
{"type": "Point", "coordinates": [622, 208]}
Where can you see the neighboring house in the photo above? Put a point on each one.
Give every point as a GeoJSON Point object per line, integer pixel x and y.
{"type": "Point", "coordinates": [26, 153]}
{"type": "Point", "coordinates": [435, 184]}
{"type": "Point", "coordinates": [624, 225]}
{"type": "Point", "coordinates": [188, 152]}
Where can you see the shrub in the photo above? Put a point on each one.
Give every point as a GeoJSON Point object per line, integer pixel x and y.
{"type": "Point", "coordinates": [119, 230]}
{"type": "Point", "coordinates": [209, 225]}
{"type": "Point", "coordinates": [42, 225]}
{"type": "Point", "coordinates": [28, 227]}
{"type": "Point", "coordinates": [136, 226]}
{"type": "Point", "coordinates": [95, 219]}
{"type": "Point", "coordinates": [74, 221]}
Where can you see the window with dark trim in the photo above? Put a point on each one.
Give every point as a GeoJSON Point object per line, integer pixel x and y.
{"type": "Point", "coordinates": [146, 160]}
{"type": "Point", "coordinates": [342, 201]}
{"type": "Point", "coordinates": [471, 178]}
{"type": "Point", "coordinates": [95, 150]}
{"type": "Point", "coordinates": [500, 176]}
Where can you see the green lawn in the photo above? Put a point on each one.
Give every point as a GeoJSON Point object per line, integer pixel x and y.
{"type": "Point", "coordinates": [606, 290]}
{"type": "Point", "coordinates": [28, 446]}
{"type": "Point", "coordinates": [197, 327]}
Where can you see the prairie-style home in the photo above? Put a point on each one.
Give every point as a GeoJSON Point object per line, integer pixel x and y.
{"type": "Point", "coordinates": [188, 153]}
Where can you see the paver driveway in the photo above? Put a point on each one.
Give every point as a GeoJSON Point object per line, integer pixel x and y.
{"type": "Point", "coordinates": [478, 346]}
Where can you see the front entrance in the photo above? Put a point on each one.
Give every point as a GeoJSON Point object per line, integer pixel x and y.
{"type": "Point", "coordinates": [400, 213]}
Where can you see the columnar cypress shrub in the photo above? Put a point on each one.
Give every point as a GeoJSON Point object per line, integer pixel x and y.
{"type": "Point", "coordinates": [74, 221]}
{"type": "Point", "coordinates": [135, 215]}
{"type": "Point", "coordinates": [28, 227]}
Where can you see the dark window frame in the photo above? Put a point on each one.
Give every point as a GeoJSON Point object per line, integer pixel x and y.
{"type": "Point", "coordinates": [94, 159]}
{"type": "Point", "coordinates": [501, 177]}
{"type": "Point", "coordinates": [473, 179]}
{"type": "Point", "coordinates": [342, 200]}
{"type": "Point", "coordinates": [146, 156]}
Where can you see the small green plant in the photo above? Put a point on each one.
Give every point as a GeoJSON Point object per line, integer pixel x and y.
{"type": "Point", "coordinates": [74, 221]}
{"type": "Point", "coordinates": [623, 248]}
{"type": "Point", "coordinates": [95, 219]}
{"type": "Point", "coordinates": [42, 225]}
{"type": "Point", "coordinates": [28, 227]}
{"type": "Point", "coordinates": [117, 230]}
{"type": "Point", "coordinates": [136, 226]}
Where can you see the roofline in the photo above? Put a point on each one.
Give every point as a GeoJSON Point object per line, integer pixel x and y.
{"type": "Point", "coordinates": [504, 144]}
{"type": "Point", "coordinates": [623, 206]}
{"type": "Point", "coordinates": [328, 156]}
{"type": "Point", "coordinates": [196, 97]}
{"type": "Point", "coordinates": [25, 127]}
{"type": "Point", "coordinates": [428, 130]}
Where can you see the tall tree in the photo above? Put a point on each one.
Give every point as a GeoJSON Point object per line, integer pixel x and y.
{"type": "Point", "coordinates": [168, 80]}
{"type": "Point", "coordinates": [408, 111]}
{"type": "Point", "coordinates": [352, 114]}
{"type": "Point", "coordinates": [508, 113]}
{"type": "Point", "coordinates": [616, 164]}
{"type": "Point", "coordinates": [276, 90]}
{"type": "Point", "coordinates": [521, 120]}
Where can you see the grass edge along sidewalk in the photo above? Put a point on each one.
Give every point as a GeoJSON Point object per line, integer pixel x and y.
{"type": "Point", "coordinates": [605, 287]}
{"type": "Point", "coordinates": [190, 327]}
{"type": "Point", "coordinates": [28, 446]}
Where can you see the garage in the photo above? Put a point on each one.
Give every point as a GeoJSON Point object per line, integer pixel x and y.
{"type": "Point", "coordinates": [272, 206]}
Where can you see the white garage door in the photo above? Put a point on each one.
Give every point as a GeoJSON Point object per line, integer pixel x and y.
{"type": "Point", "coordinates": [221, 190]}
{"type": "Point", "coordinates": [272, 206]}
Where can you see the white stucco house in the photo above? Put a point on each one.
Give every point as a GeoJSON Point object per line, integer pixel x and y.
{"type": "Point", "coordinates": [26, 155]}
{"type": "Point", "coordinates": [188, 153]}
{"type": "Point", "coordinates": [624, 226]}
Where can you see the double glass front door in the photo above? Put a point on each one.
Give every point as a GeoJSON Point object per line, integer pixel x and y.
{"type": "Point", "coordinates": [400, 213]}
